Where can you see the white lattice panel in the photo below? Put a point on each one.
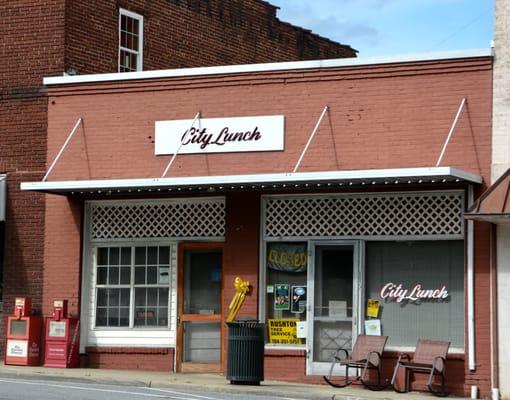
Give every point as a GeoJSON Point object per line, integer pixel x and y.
{"type": "Point", "coordinates": [189, 218]}
{"type": "Point", "coordinates": [365, 215]}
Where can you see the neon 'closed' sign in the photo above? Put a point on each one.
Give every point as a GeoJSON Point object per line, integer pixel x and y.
{"type": "Point", "coordinates": [396, 292]}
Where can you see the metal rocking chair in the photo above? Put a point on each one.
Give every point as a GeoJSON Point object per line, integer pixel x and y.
{"type": "Point", "coordinates": [429, 358]}
{"type": "Point", "coordinates": [365, 355]}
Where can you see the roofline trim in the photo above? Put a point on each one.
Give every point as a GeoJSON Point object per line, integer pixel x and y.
{"type": "Point", "coordinates": [266, 67]}
{"type": "Point", "coordinates": [253, 179]}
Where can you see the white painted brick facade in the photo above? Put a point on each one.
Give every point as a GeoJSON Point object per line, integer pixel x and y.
{"type": "Point", "coordinates": [501, 92]}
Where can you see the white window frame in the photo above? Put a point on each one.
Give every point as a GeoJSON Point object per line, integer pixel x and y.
{"type": "Point", "coordinates": [139, 53]}
{"type": "Point", "coordinates": [132, 286]}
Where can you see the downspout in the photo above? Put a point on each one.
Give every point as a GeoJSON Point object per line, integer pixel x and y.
{"type": "Point", "coordinates": [470, 287]}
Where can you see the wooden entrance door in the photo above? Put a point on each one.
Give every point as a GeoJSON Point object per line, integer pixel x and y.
{"type": "Point", "coordinates": [200, 287]}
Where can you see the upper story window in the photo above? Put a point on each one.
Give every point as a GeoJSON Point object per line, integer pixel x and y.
{"type": "Point", "coordinates": [130, 41]}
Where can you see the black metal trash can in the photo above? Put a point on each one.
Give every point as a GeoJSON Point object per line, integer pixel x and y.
{"type": "Point", "coordinates": [245, 354]}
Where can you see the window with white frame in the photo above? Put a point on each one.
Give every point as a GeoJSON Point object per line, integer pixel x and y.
{"type": "Point", "coordinates": [132, 286]}
{"type": "Point", "coordinates": [130, 41]}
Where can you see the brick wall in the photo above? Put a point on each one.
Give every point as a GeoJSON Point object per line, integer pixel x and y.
{"type": "Point", "coordinates": [392, 113]}
{"type": "Point", "coordinates": [185, 33]}
{"type": "Point", "coordinates": [153, 359]}
{"type": "Point", "coordinates": [380, 117]}
{"type": "Point", "coordinates": [31, 45]}
{"type": "Point", "coordinates": [47, 37]}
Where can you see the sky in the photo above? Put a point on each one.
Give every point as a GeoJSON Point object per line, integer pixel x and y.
{"type": "Point", "coordinates": [395, 27]}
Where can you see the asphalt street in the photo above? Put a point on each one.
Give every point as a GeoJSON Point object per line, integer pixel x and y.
{"type": "Point", "coordinates": [47, 389]}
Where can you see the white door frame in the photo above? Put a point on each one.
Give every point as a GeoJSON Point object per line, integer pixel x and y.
{"type": "Point", "coordinates": [322, 368]}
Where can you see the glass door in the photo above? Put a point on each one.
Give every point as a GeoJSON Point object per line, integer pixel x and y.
{"type": "Point", "coordinates": [335, 298]}
{"type": "Point", "coordinates": [199, 308]}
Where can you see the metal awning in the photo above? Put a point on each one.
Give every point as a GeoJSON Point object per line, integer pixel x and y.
{"type": "Point", "coordinates": [325, 179]}
{"type": "Point", "coordinates": [494, 204]}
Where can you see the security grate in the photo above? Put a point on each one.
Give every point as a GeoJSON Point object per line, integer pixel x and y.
{"type": "Point", "coordinates": [365, 215]}
{"type": "Point", "coordinates": [183, 218]}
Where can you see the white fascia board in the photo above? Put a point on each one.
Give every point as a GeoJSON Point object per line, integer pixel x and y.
{"type": "Point", "coordinates": [255, 179]}
{"type": "Point", "coordinates": [266, 67]}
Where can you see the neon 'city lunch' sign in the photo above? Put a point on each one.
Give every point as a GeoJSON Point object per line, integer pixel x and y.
{"type": "Point", "coordinates": [220, 135]}
{"type": "Point", "coordinates": [392, 291]}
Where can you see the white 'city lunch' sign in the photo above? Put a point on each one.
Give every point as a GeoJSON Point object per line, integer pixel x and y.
{"type": "Point", "coordinates": [392, 291]}
{"type": "Point", "coordinates": [220, 135]}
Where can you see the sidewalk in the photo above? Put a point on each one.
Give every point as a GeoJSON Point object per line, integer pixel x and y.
{"type": "Point", "coordinates": [213, 382]}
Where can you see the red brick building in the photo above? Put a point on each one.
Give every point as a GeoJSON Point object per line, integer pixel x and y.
{"type": "Point", "coordinates": [51, 38]}
{"type": "Point", "coordinates": [146, 247]}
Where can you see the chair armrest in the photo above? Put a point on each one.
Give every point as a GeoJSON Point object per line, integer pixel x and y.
{"type": "Point", "coordinates": [439, 363]}
{"type": "Point", "coordinates": [337, 354]}
{"type": "Point", "coordinates": [374, 355]}
{"type": "Point", "coordinates": [402, 356]}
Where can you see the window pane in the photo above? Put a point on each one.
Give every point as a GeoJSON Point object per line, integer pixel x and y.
{"type": "Point", "coordinates": [164, 277]}
{"type": "Point", "coordinates": [113, 297]}
{"type": "Point", "coordinates": [140, 316]}
{"type": "Point", "coordinates": [102, 256]}
{"type": "Point", "coordinates": [113, 317]}
{"type": "Point", "coordinates": [113, 275]}
{"type": "Point", "coordinates": [202, 281]}
{"type": "Point", "coordinates": [152, 275]}
{"type": "Point", "coordinates": [164, 255]}
{"type": "Point", "coordinates": [163, 297]}
{"type": "Point", "coordinates": [152, 255]}
{"type": "Point", "coordinates": [123, 39]}
{"type": "Point", "coordinates": [139, 275]}
{"type": "Point", "coordinates": [286, 273]}
{"type": "Point", "coordinates": [163, 317]}
{"type": "Point", "coordinates": [136, 28]}
{"type": "Point", "coordinates": [102, 297]}
{"type": "Point", "coordinates": [152, 297]}
{"type": "Point", "coordinates": [140, 256]}
{"type": "Point", "coordinates": [140, 297]}
{"type": "Point", "coordinates": [126, 256]}
{"type": "Point", "coordinates": [124, 297]}
{"type": "Point", "coordinates": [102, 275]}
{"type": "Point", "coordinates": [101, 317]}
{"type": "Point", "coordinates": [430, 264]}
{"type": "Point", "coordinates": [133, 62]}
{"type": "Point", "coordinates": [125, 276]}
{"type": "Point", "coordinates": [114, 256]}
{"type": "Point", "coordinates": [124, 317]}
{"type": "Point", "coordinates": [123, 22]}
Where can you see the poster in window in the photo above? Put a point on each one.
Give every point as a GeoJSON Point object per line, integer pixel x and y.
{"type": "Point", "coordinates": [372, 308]}
{"type": "Point", "coordinates": [287, 257]}
{"type": "Point", "coordinates": [373, 327]}
{"type": "Point", "coordinates": [298, 301]}
{"type": "Point", "coordinates": [281, 296]}
{"type": "Point", "coordinates": [283, 331]}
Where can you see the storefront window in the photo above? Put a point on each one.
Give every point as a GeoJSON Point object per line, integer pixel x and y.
{"type": "Point", "coordinates": [119, 278]}
{"type": "Point", "coordinates": [420, 290]}
{"type": "Point", "coordinates": [286, 291]}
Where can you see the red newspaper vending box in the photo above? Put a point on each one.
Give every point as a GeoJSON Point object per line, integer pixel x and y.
{"type": "Point", "coordinates": [62, 338]}
{"type": "Point", "coordinates": [23, 335]}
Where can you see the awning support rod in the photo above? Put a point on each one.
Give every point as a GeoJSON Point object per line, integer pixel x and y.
{"type": "Point", "coordinates": [62, 149]}
{"type": "Point", "coordinates": [451, 131]}
{"type": "Point", "coordinates": [310, 138]}
{"type": "Point", "coordinates": [179, 148]}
